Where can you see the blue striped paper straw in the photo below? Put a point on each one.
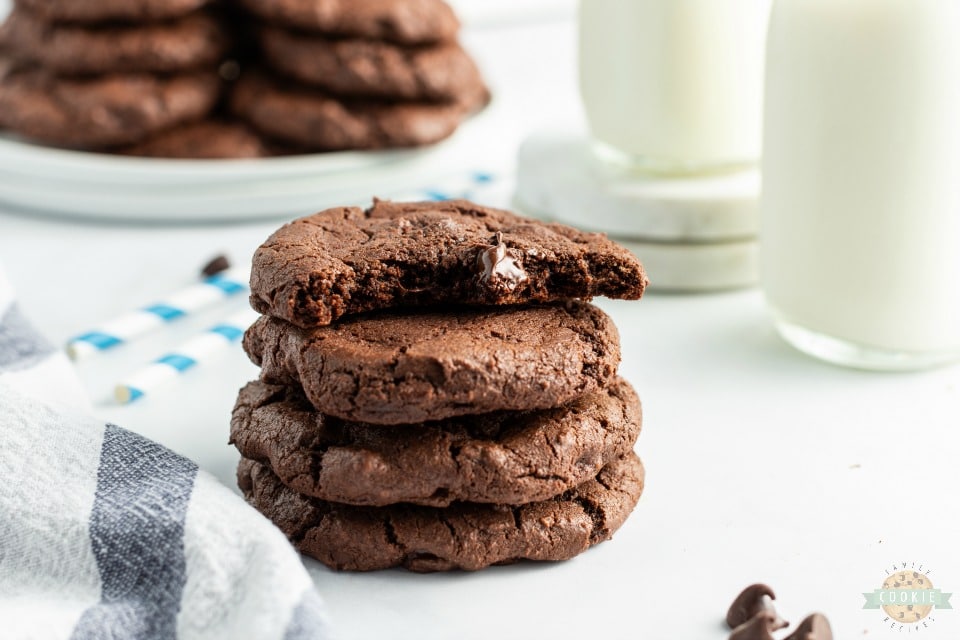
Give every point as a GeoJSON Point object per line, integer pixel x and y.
{"type": "Point", "coordinates": [190, 354]}
{"type": "Point", "coordinates": [182, 303]}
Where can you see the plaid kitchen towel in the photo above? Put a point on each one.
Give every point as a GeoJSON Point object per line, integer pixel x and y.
{"type": "Point", "coordinates": [104, 534]}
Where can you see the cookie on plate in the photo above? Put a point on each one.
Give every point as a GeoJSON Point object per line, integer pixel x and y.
{"type": "Point", "coordinates": [361, 67]}
{"type": "Point", "coordinates": [312, 118]}
{"type": "Point", "coordinates": [95, 11]}
{"type": "Point", "coordinates": [502, 457]}
{"type": "Point", "coordinates": [463, 536]}
{"type": "Point", "coordinates": [101, 111]}
{"type": "Point", "coordinates": [194, 41]}
{"type": "Point", "coordinates": [406, 367]}
{"type": "Point", "coordinates": [401, 21]}
{"type": "Point", "coordinates": [206, 139]}
{"type": "Point", "coordinates": [350, 260]}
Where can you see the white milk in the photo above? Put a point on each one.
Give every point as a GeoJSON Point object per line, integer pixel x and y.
{"type": "Point", "coordinates": [675, 85]}
{"type": "Point", "coordinates": [860, 216]}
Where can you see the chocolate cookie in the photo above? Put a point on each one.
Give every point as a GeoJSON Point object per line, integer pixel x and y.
{"type": "Point", "coordinates": [402, 21]}
{"type": "Point", "coordinates": [357, 67]}
{"type": "Point", "coordinates": [310, 118]}
{"type": "Point", "coordinates": [347, 260]}
{"type": "Point", "coordinates": [197, 40]}
{"type": "Point", "coordinates": [463, 536]}
{"type": "Point", "coordinates": [401, 368]}
{"type": "Point", "coordinates": [105, 111]}
{"type": "Point", "coordinates": [94, 11]}
{"type": "Point", "coordinates": [207, 139]}
{"type": "Point", "coordinates": [503, 457]}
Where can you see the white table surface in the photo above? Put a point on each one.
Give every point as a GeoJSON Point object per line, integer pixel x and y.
{"type": "Point", "coordinates": [763, 465]}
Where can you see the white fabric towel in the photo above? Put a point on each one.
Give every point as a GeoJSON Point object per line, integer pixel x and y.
{"type": "Point", "coordinates": [105, 534]}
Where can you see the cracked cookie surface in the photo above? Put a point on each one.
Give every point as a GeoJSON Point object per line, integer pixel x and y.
{"type": "Point", "coordinates": [402, 21]}
{"type": "Point", "coordinates": [406, 367]}
{"type": "Point", "coordinates": [98, 11]}
{"type": "Point", "coordinates": [362, 67]}
{"type": "Point", "coordinates": [206, 139]}
{"type": "Point", "coordinates": [350, 260]}
{"type": "Point", "coordinates": [194, 41]}
{"type": "Point", "coordinates": [463, 536]}
{"type": "Point", "coordinates": [503, 457]}
{"type": "Point", "coordinates": [102, 111]}
{"type": "Point", "coordinates": [314, 119]}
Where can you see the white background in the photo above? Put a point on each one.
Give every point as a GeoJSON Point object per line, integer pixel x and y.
{"type": "Point", "coordinates": [763, 465]}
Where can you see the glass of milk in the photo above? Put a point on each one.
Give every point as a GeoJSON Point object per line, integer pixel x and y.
{"type": "Point", "coordinates": [860, 213]}
{"type": "Point", "coordinates": [674, 86]}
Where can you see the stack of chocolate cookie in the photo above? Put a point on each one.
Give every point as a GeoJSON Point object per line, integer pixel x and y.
{"type": "Point", "coordinates": [111, 74]}
{"type": "Point", "coordinates": [358, 75]}
{"type": "Point", "coordinates": [140, 77]}
{"type": "Point", "coordinates": [435, 393]}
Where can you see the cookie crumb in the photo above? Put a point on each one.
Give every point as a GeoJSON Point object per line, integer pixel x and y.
{"type": "Point", "coordinates": [218, 264]}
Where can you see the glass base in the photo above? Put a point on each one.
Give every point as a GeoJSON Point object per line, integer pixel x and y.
{"type": "Point", "coordinates": [858, 356]}
{"type": "Point", "coordinates": [613, 158]}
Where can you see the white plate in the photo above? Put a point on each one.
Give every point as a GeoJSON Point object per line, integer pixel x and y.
{"type": "Point", "coordinates": [73, 184]}
{"type": "Point", "coordinates": [100, 186]}
{"type": "Point", "coordinates": [21, 158]}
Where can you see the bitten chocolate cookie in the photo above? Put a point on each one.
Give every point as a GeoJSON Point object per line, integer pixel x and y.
{"type": "Point", "coordinates": [463, 536]}
{"type": "Point", "coordinates": [104, 111]}
{"type": "Point", "coordinates": [197, 40]}
{"type": "Point", "coordinates": [207, 139]}
{"type": "Point", "coordinates": [310, 118]}
{"type": "Point", "coordinates": [358, 67]}
{"type": "Point", "coordinates": [349, 260]}
{"type": "Point", "coordinates": [503, 457]}
{"type": "Point", "coordinates": [402, 21]}
{"type": "Point", "coordinates": [94, 11]}
{"type": "Point", "coordinates": [401, 368]}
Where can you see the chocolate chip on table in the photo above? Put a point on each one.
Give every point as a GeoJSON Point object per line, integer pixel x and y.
{"type": "Point", "coordinates": [814, 627]}
{"type": "Point", "coordinates": [760, 627]}
{"type": "Point", "coordinates": [757, 598]}
{"type": "Point", "coordinates": [217, 265]}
